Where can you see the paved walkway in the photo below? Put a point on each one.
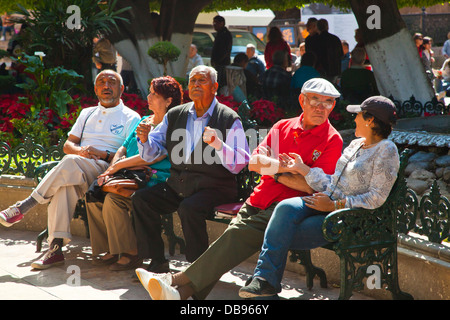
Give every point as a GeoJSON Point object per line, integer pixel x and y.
{"type": "Point", "coordinates": [18, 281]}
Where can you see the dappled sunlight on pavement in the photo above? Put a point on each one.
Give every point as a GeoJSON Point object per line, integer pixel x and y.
{"type": "Point", "coordinates": [78, 279]}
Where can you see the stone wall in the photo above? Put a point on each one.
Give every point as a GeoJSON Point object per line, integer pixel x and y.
{"type": "Point", "coordinates": [429, 138]}
{"type": "Point", "coordinates": [426, 166]}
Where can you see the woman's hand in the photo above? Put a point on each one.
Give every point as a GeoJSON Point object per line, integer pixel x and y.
{"type": "Point", "coordinates": [320, 202]}
{"type": "Point", "coordinates": [142, 131]}
{"type": "Point", "coordinates": [102, 179]}
{"type": "Point", "coordinates": [110, 171]}
{"type": "Point", "coordinates": [293, 163]}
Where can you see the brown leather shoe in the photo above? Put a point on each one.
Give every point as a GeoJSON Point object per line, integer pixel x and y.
{"type": "Point", "coordinates": [134, 263]}
{"type": "Point", "coordinates": [105, 262]}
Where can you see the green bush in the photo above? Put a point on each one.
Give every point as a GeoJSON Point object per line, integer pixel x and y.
{"type": "Point", "coordinates": [49, 87]}
{"type": "Point", "coordinates": [164, 52]}
{"type": "Point", "coordinates": [70, 48]}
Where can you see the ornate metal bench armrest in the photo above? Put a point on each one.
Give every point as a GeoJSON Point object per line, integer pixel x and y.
{"type": "Point", "coordinates": [43, 169]}
{"type": "Point", "coordinates": [335, 226]}
{"type": "Point", "coordinates": [359, 226]}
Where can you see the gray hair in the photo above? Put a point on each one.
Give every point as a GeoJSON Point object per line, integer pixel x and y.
{"type": "Point", "coordinates": [210, 70]}
{"type": "Point", "coordinates": [112, 72]}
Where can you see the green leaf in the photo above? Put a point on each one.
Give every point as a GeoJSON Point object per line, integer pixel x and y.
{"type": "Point", "coordinates": [61, 99]}
{"type": "Point", "coordinates": [25, 86]}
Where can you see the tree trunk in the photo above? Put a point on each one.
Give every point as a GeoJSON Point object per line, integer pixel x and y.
{"type": "Point", "coordinates": [175, 23]}
{"type": "Point", "coordinates": [392, 52]}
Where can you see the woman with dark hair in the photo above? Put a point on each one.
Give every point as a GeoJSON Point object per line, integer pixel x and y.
{"type": "Point", "coordinates": [110, 227]}
{"type": "Point", "coordinates": [363, 178]}
{"type": "Point", "coordinates": [275, 43]}
{"type": "Point", "coordinates": [418, 40]}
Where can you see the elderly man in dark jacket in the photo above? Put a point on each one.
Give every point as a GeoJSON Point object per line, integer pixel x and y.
{"type": "Point", "coordinates": [206, 146]}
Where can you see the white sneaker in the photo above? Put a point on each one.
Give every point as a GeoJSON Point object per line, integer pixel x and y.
{"type": "Point", "coordinates": [2, 38]}
{"type": "Point", "coordinates": [145, 276]}
{"type": "Point", "coordinates": [159, 290]}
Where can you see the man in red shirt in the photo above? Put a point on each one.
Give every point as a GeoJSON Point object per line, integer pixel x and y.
{"type": "Point", "coordinates": [319, 144]}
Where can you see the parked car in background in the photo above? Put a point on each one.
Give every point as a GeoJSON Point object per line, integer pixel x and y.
{"type": "Point", "coordinates": [203, 38]}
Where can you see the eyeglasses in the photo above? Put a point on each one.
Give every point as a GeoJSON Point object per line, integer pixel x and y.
{"type": "Point", "coordinates": [200, 81]}
{"type": "Point", "coordinates": [316, 103]}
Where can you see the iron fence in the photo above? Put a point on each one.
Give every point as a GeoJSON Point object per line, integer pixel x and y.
{"type": "Point", "coordinates": [24, 158]}
{"type": "Point", "coordinates": [414, 108]}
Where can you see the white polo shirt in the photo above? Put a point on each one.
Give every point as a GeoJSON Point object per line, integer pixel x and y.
{"type": "Point", "coordinates": [105, 128]}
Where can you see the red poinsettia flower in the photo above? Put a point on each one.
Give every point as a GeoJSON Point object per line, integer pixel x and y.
{"type": "Point", "coordinates": [49, 116]}
{"type": "Point", "coordinates": [265, 112]}
{"type": "Point", "coordinates": [228, 101]}
{"type": "Point", "coordinates": [6, 125]}
{"type": "Point", "coordinates": [12, 108]}
{"type": "Point", "coordinates": [136, 103]}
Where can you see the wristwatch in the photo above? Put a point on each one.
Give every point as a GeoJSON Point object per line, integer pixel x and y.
{"type": "Point", "coordinates": [276, 176]}
{"type": "Point", "coordinates": [107, 155]}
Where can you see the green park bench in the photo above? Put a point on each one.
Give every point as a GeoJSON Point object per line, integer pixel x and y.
{"type": "Point", "coordinates": [361, 238]}
{"type": "Point", "coordinates": [81, 213]}
{"type": "Point", "coordinates": [246, 180]}
{"type": "Point", "coordinates": [366, 239]}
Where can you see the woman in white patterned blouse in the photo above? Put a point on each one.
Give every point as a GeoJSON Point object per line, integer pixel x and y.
{"type": "Point", "coordinates": [363, 178]}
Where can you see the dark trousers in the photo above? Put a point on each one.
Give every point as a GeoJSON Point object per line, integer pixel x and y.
{"type": "Point", "coordinates": [221, 76]}
{"type": "Point", "coordinates": [150, 203]}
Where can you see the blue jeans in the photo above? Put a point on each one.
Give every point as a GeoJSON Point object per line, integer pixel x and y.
{"type": "Point", "coordinates": [293, 225]}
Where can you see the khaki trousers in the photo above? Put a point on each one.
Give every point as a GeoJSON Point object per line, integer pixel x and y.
{"type": "Point", "coordinates": [110, 225]}
{"type": "Point", "coordinates": [62, 187]}
{"type": "Point", "coordinates": [243, 238]}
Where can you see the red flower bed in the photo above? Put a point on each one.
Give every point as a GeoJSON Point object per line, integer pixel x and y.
{"type": "Point", "coordinates": [229, 101]}
{"type": "Point", "coordinates": [265, 112]}
{"type": "Point", "coordinates": [135, 102]}
{"type": "Point", "coordinates": [12, 108]}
